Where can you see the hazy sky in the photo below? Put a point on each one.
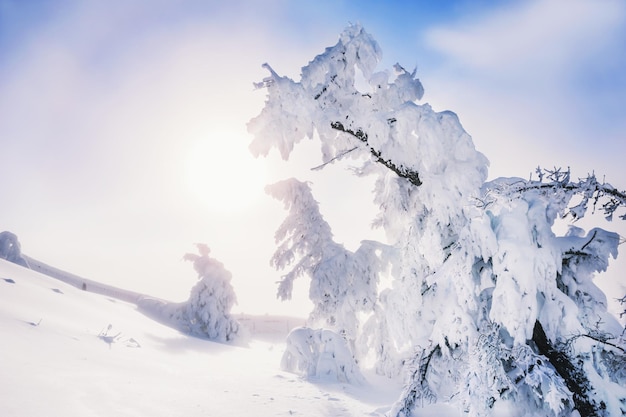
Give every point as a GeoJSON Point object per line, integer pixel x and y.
{"type": "Point", "coordinates": [121, 121]}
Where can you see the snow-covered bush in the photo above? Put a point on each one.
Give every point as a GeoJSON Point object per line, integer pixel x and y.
{"type": "Point", "coordinates": [10, 249]}
{"type": "Point", "coordinates": [320, 354]}
{"type": "Point", "coordinates": [207, 312]}
{"type": "Point", "coordinates": [487, 302]}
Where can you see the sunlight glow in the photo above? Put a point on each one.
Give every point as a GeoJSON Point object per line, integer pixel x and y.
{"type": "Point", "coordinates": [222, 174]}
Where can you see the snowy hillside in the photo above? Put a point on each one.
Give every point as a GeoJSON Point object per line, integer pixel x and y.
{"type": "Point", "coordinates": [67, 352]}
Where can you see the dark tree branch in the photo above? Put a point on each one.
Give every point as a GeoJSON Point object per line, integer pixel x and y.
{"type": "Point", "coordinates": [603, 341]}
{"type": "Point", "coordinates": [597, 336]}
{"type": "Point", "coordinates": [605, 189]}
{"type": "Point", "coordinates": [622, 301]}
{"type": "Point", "coordinates": [401, 171]}
{"type": "Point", "coordinates": [579, 252]}
{"type": "Point", "coordinates": [590, 240]}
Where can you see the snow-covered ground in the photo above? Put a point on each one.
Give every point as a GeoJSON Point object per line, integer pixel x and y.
{"type": "Point", "coordinates": [68, 352]}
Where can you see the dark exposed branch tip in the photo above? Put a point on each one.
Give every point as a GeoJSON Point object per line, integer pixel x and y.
{"type": "Point", "coordinates": [622, 314]}
{"type": "Point", "coordinates": [401, 171]}
{"type": "Point", "coordinates": [620, 195]}
{"type": "Point", "coordinates": [590, 240]}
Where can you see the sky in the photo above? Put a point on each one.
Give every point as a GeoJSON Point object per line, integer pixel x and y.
{"type": "Point", "coordinates": [123, 123]}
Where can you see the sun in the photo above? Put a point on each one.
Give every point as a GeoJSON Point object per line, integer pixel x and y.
{"type": "Point", "coordinates": [222, 174]}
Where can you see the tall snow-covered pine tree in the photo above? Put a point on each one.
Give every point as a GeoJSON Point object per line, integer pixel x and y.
{"type": "Point", "coordinates": [487, 303]}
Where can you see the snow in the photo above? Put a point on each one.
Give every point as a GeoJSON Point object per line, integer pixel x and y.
{"type": "Point", "coordinates": [58, 362]}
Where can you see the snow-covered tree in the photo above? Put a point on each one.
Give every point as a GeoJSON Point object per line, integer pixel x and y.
{"type": "Point", "coordinates": [343, 283]}
{"type": "Point", "coordinates": [487, 303]}
{"type": "Point", "coordinates": [207, 312]}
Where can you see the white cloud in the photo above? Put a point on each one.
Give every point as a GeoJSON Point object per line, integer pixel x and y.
{"type": "Point", "coordinates": [532, 38]}
{"type": "Point", "coordinates": [524, 80]}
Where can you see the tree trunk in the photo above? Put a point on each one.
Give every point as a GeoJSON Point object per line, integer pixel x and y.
{"type": "Point", "coordinates": [573, 376]}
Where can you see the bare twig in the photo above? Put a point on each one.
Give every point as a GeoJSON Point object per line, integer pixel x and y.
{"type": "Point", "coordinates": [330, 161]}
{"type": "Point", "coordinates": [595, 232]}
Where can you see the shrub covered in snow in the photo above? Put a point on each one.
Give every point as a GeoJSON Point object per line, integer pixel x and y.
{"type": "Point", "coordinates": [320, 354]}
{"type": "Point", "coordinates": [486, 302]}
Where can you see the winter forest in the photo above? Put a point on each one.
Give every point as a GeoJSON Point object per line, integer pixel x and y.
{"type": "Point", "coordinates": [474, 298]}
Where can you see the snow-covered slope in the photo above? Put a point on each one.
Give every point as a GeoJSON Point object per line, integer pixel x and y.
{"type": "Point", "coordinates": [68, 352]}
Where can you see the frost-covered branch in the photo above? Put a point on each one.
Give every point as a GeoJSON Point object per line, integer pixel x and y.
{"type": "Point", "coordinates": [557, 185]}
{"type": "Point", "coordinates": [604, 340]}
{"type": "Point", "coordinates": [400, 170]}
{"type": "Point", "coordinates": [417, 388]}
{"type": "Point", "coordinates": [590, 189]}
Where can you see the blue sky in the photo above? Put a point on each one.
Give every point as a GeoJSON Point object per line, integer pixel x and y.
{"type": "Point", "coordinates": [110, 111]}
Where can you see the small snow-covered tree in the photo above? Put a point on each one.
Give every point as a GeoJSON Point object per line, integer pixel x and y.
{"type": "Point", "coordinates": [207, 312]}
{"type": "Point", "coordinates": [487, 302]}
{"type": "Point", "coordinates": [343, 283]}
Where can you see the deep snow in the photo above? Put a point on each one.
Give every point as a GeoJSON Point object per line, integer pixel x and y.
{"type": "Point", "coordinates": [68, 352]}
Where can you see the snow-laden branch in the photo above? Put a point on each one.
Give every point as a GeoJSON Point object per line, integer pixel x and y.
{"type": "Point", "coordinates": [417, 391]}
{"type": "Point", "coordinates": [603, 196]}
{"type": "Point", "coordinates": [348, 107]}
{"type": "Point", "coordinates": [602, 338]}
{"type": "Point", "coordinates": [409, 174]}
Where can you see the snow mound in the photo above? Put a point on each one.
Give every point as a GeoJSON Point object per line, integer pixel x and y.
{"type": "Point", "coordinates": [320, 354]}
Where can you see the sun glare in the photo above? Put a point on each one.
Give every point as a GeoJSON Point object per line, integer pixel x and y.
{"type": "Point", "coordinates": [223, 174]}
